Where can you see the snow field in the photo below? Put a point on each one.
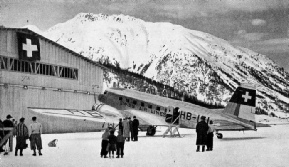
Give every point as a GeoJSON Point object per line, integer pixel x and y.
{"type": "Point", "coordinates": [265, 147]}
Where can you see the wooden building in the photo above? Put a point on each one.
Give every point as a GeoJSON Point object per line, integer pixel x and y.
{"type": "Point", "coordinates": [57, 78]}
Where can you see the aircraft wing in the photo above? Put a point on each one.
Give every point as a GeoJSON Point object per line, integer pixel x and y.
{"type": "Point", "coordinates": [224, 125]}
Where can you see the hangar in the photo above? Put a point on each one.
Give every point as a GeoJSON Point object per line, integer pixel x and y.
{"type": "Point", "coordinates": [37, 73]}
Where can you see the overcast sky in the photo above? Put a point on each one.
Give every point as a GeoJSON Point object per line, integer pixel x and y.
{"type": "Point", "coordinates": [260, 25]}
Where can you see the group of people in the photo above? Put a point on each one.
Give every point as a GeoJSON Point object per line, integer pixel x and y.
{"type": "Point", "coordinates": [22, 132]}
{"type": "Point", "coordinates": [205, 135]}
{"type": "Point", "coordinates": [129, 128]}
{"type": "Point", "coordinates": [111, 143]}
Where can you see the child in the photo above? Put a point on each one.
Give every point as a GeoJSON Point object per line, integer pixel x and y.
{"type": "Point", "coordinates": [112, 143]}
{"type": "Point", "coordinates": [120, 144]}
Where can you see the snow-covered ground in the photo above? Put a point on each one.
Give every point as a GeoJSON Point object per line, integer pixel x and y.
{"type": "Point", "coordinates": [266, 147]}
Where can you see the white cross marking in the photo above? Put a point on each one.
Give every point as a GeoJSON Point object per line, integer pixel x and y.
{"type": "Point", "coordinates": [29, 47]}
{"type": "Point", "coordinates": [246, 96]}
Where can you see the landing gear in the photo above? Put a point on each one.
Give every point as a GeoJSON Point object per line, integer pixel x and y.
{"type": "Point", "coordinates": [151, 130]}
{"type": "Point", "coordinates": [219, 135]}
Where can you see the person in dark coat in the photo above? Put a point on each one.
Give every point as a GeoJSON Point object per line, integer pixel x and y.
{"type": "Point", "coordinates": [7, 123]}
{"type": "Point", "coordinates": [104, 143]}
{"type": "Point", "coordinates": [21, 132]}
{"type": "Point", "coordinates": [202, 129]}
{"type": "Point", "coordinates": [111, 143]}
{"type": "Point", "coordinates": [210, 137]}
{"type": "Point", "coordinates": [134, 131]}
{"type": "Point", "coordinates": [120, 125]}
{"type": "Point", "coordinates": [1, 135]}
{"type": "Point", "coordinates": [120, 144]}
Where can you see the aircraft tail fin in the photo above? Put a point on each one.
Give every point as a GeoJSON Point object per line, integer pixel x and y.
{"type": "Point", "coordinates": [243, 103]}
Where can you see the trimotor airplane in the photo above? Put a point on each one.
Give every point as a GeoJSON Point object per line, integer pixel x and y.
{"type": "Point", "coordinates": [238, 115]}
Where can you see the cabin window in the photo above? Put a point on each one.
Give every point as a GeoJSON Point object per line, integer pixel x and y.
{"type": "Point", "coordinates": [142, 104]}
{"type": "Point", "coordinates": [127, 100]}
{"type": "Point", "coordinates": [134, 102]}
{"type": "Point", "coordinates": [119, 98]}
{"type": "Point", "coordinates": [158, 108]}
{"type": "Point", "coordinates": [150, 106]}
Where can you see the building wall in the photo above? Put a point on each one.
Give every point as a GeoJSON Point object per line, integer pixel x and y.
{"type": "Point", "coordinates": [21, 90]}
{"type": "Point", "coordinates": [16, 100]}
{"type": "Point", "coordinates": [90, 76]}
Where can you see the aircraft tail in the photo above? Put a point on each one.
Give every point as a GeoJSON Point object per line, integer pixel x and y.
{"type": "Point", "coordinates": [243, 103]}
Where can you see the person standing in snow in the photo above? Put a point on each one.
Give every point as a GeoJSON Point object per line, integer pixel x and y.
{"type": "Point", "coordinates": [120, 125]}
{"type": "Point", "coordinates": [1, 135]}
{"type": "Point", "coordinates": [126, 129]}
{"type": "Point", "coordinates": [21, 132]}
{"type": "Point", "coordinates": [111, 143]}
{"type": "Point", "coordinates": [120, 144]}
{"type": "Point", "coordinates": [130, 128]}
{"type": "Point", "coordinates": [104, 143]}
{"type": "Point", "coordinates": [210, 137]}
{"type": "Point", "coordinates": [35, 131]}
{"type": "Point", "coordinates": [201, 129]}
{"type": "Point", "coordinates": [134, 130]}
{"type": "Point", "coordinates": [7, 123]}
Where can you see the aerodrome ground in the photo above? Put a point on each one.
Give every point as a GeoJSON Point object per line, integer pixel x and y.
{"type": "Point", "coordinates": [267, 147]}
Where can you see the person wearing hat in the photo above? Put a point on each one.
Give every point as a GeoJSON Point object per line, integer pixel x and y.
{"type": "Point", "coordinates": [7, 123]}
{"type": "Point", "coordinates": [201, 129]}
{"type": "Point", "coordinates": [35, 131]}
{"type": "Point", "coordinates": [21, 132]}
{"type": "Point", "coordinates": [126, 129]}
{"type": "Point", "coordinates": [134, 130]}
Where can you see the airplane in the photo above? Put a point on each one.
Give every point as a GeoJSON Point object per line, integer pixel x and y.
{"type": "Point", "coordinates": [238, 115]}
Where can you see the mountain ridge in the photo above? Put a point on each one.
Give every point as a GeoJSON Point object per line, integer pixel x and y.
{"type": "Point", "coordinates": [197, 63]}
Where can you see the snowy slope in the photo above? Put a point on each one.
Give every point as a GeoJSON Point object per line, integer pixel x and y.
{"type": "Point", "coordinates": [199, 64]}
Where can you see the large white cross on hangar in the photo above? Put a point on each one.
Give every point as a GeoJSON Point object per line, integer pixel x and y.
{"type": "Point", "coordinates": [246, 96]}
{"type": "Point", "coordinates": [29, 47]}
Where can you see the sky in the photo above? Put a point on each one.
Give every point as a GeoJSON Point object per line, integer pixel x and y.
{"type": "Point", "coordinates": [260, 25]}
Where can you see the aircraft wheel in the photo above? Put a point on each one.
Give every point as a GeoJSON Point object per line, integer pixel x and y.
{"type": "Point", "coordinates": [219, 135]}
{"type": "Point", "coordinates": [151, 131]}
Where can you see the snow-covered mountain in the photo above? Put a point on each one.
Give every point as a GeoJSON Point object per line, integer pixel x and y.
{"type": "Point", "coordinates": [198, 63]}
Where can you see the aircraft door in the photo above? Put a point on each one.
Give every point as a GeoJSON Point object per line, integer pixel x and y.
{"type": "Point", "coordinates": [169, 114]}
{"type": "Point", "coordinates": [176, 115]}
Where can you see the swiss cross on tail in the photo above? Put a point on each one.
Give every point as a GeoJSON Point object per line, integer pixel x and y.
{"type": "Point", "coordinates": [28, 47]}
{"type": "Point", "coordinates": [244, 96]}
